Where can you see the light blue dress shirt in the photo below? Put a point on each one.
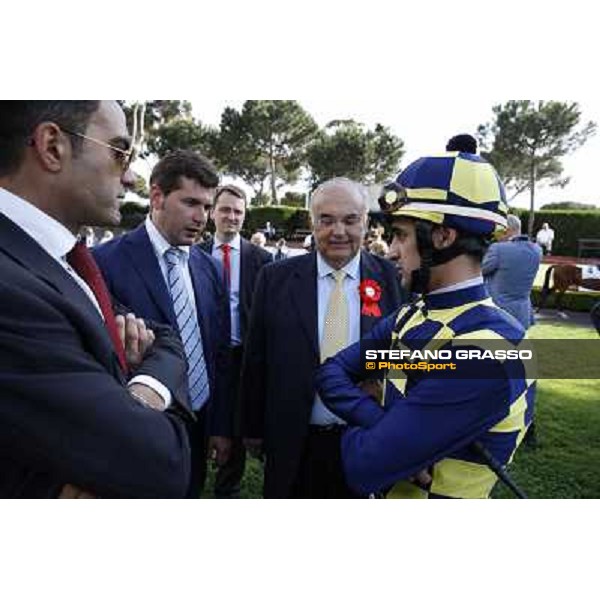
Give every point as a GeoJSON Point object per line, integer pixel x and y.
{"type": "Point", "coordinates": [234, 291]}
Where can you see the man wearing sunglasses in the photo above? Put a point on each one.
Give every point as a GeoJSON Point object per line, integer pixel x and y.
{"type": "Point", "coordinates": [93, 404]}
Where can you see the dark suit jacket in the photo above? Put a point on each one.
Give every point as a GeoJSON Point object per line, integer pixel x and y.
{"type": "Point", "coordinates": [65, 414]}
{"type": "Point", "coordinates": [282, 354]}
{"type": "Point", "coordinates": [133, 276]}
{"type": "Point", "coordinates": [252, 259]}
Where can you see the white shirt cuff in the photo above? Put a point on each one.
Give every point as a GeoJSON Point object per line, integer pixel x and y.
{"type": "Point", "coordinates": [156, 385]}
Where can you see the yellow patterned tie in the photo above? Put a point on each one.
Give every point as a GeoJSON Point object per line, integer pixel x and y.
{"type": "Point", "coordinates": [335, 332]}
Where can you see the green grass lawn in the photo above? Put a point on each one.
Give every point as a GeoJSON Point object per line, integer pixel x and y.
{"type": "Point", "coordinates": [566, 461]}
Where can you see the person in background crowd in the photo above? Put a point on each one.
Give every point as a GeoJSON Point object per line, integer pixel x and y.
{"type": "Point", "coordinates": [379, 248]}
{"type": "Point", "coordinates": [374, 234]}
{"type": "Point", "coordinates": [281, 251]}
{"type": "Point", "coordinates": [258, 239]}
{"type": "Point", "coordinates": [89, 236]}
{"type": "Point", "coordinates": [545, 238]}
{"type": "Point", "coordinates": [305, 309]}
{"type": "Point", "coordinates": [269, 231]}
{"type": "Point", "coordinates": [160, 272]}
{"type": "Point", "coordinates": [309, 243]}
{"type": "Point", "coordinates": [93, 404]}
{"type": "Point", "coordinates": [107, 236]}
{"type": "Point", "coordinates": [509, 268]}
{"type": "Point", "coordinates": [241, 262]}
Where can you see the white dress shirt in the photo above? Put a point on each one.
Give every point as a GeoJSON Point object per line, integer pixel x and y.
{"type": "Point", "coordinates": [320, 414]}
{"type": "Point", "coordinates": [234, 290]}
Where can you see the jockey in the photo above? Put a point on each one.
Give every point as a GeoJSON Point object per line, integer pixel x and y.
{"type": "Point", "coordinates": [427, 436]}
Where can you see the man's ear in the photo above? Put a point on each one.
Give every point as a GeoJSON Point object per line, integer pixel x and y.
{"type": "Point", "coordinates": [50, 146]}
{"type": "Point", "coordinates": [443, 237]}
{"type": "Point", "coordinates": [157, 197]}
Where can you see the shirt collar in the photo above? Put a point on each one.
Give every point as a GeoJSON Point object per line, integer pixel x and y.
{"type": "Point", "coordinates": [352, 269]}
{"type": "Point", "coordinates": [451, 297]}
{"type": "Point", "coordinates": [158, 241]}
{"type": "Point", "coordinates": [234, 244]}
{"type": "Point", "coordinates": [49, 233]}
{"type": "Point", "coordinates": [459, 286]}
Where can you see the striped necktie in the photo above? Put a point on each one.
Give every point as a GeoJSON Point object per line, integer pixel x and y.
{"type": "Point", "coordinates": [188, 330]}
{"type": "Point", "coordinates": [335, 332]}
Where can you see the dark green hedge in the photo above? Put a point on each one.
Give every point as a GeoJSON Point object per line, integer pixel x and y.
{"type": "Point", "coordinates": [569, 226]}
{"type": "Point", "coordinates": [285, 219]}
{"type": "Point", "coordinates": [132, 214]}
{"type": "Point", "coordinates": [577, 301]}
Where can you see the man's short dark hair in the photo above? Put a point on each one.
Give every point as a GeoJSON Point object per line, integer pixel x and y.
{"type": "Point", "coordinates": [19, 118]}
{"type": "Point", "coordinates": [169, 170]}
{"type": "Point", "coordinates": [234, 190]}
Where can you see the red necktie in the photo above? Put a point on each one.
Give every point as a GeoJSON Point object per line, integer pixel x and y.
{"type": "Point", "coordinates": [226, 249]}
{"type": "Point", "coordinates": [83, 263]}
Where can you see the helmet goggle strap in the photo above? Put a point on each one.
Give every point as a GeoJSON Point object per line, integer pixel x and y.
{"type": "Point", "coordinates": [432, 257]}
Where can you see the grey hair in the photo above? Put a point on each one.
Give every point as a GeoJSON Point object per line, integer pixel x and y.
{"type": "Point", "coordinates": [357, 189]}
{"type": "Point", "coordinates": [514, 223]}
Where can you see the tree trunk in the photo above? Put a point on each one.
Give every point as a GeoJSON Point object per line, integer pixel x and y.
{"type": "Point", "coordinates": [272, 174]}
{"type": "Point", "coordinates": [531, 199]}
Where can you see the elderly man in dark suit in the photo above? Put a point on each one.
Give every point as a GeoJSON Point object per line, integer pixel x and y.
{"type": "Point", "coordinates": [305, 309]}
{"type": "Point", "coordinates": [509, 268]}
{"type": "Point", "coordinates": [84, 391]}
{"type": "Point", "coordinates": [158, 272]}
{"type": "Point", "coordinates": [241, 262]}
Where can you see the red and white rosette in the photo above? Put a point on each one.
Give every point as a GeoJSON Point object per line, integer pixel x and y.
{"type": "Point", "coordinates": [370, 293]}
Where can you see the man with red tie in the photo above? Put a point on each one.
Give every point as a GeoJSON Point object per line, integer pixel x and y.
{"type": "Point", "coordinates": [93, 404]}
{"type": "Point", "coordinates": [241, 263]}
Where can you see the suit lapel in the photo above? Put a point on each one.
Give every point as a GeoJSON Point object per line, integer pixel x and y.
{"type": "Point", "coordinates": [303, 297]}
{"type": "Point", "coordinates": [144, 261]}
{"type": "Point", "coordinates": [33, 257]}
{"type": "Point", "coordinates": [203, 291]}
{"type": "Point", "coordinates": [246, 271]}
{"type": "Point", "coordinates": [369, 269]}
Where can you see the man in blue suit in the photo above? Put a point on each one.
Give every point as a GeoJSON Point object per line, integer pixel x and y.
{"type": "Point", "coordinates": [509, 268]}
{"type": "Point", "coordinates": [304, 309]}
{"type": "Point", "coordinates": [80, 414]}
{"type": "Point", "coordinates": [158, 272]}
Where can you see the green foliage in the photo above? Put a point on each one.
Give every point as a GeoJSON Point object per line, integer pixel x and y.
{"type": "Point", "coordinates": [526, 141]}
{"type": "Point", "coordinates": [564, 464]}
{"type": "Point", "coordinates": [266, 140]}
{"type": "Point", "coordinates": [141, 187]}
{"type": "Point", "coordinates": [132, 214]}
{"type": "Point", "coordinates": [157, 115]}
{"type": "Point", "coordinates": [569, 226]}
{"type": "Point", "coordinates": [285, 219]}
{"type": "Point", "coordinates": [568, 206]}
{"type": "Point", "coordinates": [297, 199]}
{"type": "Point", "coordinates": [572, 300]}
{"type": "Point", "coordinates": [347, 149]}
{"type": "Point", "coordinates": [181, 133]}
